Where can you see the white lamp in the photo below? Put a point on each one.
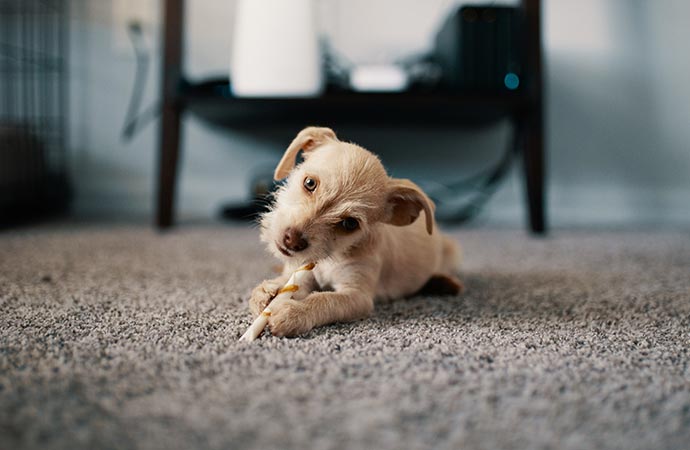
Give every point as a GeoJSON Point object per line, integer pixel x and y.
{"type": "Point", "coordinates": [276, 50]}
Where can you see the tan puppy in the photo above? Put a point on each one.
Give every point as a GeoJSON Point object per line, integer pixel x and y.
{"type": "Point", "coordinates": [340, 209]}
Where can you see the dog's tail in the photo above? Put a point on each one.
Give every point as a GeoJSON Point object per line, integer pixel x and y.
{"type": "Point", "coordinates": [452, 255]}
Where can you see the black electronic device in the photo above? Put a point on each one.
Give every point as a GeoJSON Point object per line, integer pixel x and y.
{"type": "Point", "coordinates": [480, 48]}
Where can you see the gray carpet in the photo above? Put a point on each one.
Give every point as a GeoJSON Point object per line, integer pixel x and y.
{"type": "Point", "coordinates": [116, 337]}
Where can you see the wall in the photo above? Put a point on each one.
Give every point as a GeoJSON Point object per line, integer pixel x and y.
{"type": "Point", "coordinates": [618, 102]}
{"type": "Point", "coordinates": [617, 112]}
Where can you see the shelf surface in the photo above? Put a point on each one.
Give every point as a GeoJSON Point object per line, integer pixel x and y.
{"type": "Point", "coordinates": [213, 102]}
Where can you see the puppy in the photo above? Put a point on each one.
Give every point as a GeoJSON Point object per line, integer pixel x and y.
{"type": "Point", "coordinates": [340, 209]}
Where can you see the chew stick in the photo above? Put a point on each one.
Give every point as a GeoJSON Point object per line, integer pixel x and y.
{"type": "Point", "coordinates": [287, 292]}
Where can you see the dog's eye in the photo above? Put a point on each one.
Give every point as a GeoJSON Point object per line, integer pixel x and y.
{"type": "Point", "coordinates": [349, 224]}
{"type": "Point", "coordinates": [310, 184]}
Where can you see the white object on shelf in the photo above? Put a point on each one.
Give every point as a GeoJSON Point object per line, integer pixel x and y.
{"type": "Point", "coordinates": [276, 50]}
{"type": "Point", "coordinates": [378, 78]}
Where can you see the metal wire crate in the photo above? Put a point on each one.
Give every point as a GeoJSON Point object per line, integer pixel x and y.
{"type": "Point", "coordinates": [33, 108]}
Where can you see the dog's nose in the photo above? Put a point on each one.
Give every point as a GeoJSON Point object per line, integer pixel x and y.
{"type": "Point", "coordinates": [294, 240]}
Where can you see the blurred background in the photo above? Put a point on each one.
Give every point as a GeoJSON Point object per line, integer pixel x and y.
{"type": "Point", "coordinates": [616, 108]}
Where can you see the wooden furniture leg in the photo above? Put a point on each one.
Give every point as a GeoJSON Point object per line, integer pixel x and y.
{"type": "Point", "coordinates": [533, 166]}
{"type": "Point", "coordinates": [532, 121]}
{"type": "Point", "coordinates": [169, 151]}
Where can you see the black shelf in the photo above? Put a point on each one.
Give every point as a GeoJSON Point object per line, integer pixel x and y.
{"type": "Point", "coordinates": [213, 102]}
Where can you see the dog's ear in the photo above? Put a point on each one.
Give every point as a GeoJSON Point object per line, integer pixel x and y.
{"type": "Point", "coordinates": [307, 140]}
{"type": "Point", "coordinates": [405, 202]}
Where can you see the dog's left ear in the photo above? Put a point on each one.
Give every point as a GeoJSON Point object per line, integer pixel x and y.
{"type": "Point", "coordinates": [307, 140]}
{"type": "Point", "coordinates": [405, 202]}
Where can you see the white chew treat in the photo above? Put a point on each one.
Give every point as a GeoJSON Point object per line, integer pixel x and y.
{"type": "Point", "coordinates": [287, 292]}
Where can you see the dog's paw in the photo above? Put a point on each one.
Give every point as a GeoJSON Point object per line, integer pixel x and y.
{"type": "Point", "coordinates": [262, 296]}
{"type": "Point", "coordinates": [289, 319]}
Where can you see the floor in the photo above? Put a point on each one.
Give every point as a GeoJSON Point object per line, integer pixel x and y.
{"type": "Point", "coordinates": [114, 336]}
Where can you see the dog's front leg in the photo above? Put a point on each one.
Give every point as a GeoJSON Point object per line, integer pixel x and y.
{"type": "Point", "coordinates": [264, 293]}
{"type": "Point", "coordinates": [295, 317]}
{"type": "Point", "coordinates": [268, 289]}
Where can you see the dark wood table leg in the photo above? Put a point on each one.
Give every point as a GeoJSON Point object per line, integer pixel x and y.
{"type": "Point", "coordinates": [531, 121]}
{"type": "Point", "coordinates": [169, 151]}
{"type": "Point", "coordinates": [533, 165]}
{"type": "Point", "coordinates": [167, 166]}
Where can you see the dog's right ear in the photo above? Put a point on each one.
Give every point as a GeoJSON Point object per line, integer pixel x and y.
{"type": "Point", "coordinates": [405, 202]}
{"type": "Point", "coordinates": [307, 140]}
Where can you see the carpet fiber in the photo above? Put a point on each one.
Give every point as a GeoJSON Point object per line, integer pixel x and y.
{"type": "Point", "coordinates": [118, 337]}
